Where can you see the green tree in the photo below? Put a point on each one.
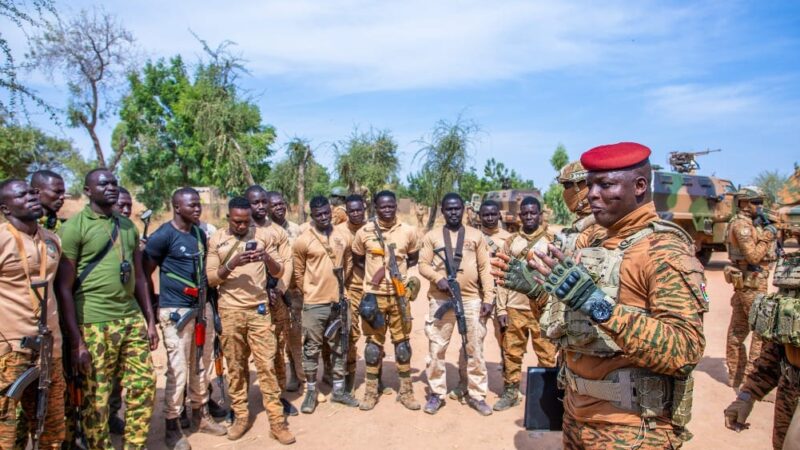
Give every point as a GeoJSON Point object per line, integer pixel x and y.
{"type": "Point", "coordinates": [770, 181]}
{"type": "Point", "coordinates": [444, 157]}
{"type": "Point", "coordinates": [25, 149]}
{"type": "Point", "coordinates": [92, 52]}
{"type": "Point", "coordinates": [367, 162]}
{"type": "Point", "coordinates": [298, 175]}
{"type": "Point", "coordinates": [182, 130]}
{"type": "Point", "coordinates": [553, 198]}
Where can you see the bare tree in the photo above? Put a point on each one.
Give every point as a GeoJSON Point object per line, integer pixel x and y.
{"type": "Point", "coordinates": [299, 152]}
{"type": "Point", "coordinates": [92, 52]}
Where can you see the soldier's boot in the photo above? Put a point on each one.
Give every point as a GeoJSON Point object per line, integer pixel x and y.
{"type": "Point", "coordinates": [370, 395]}
{"type": "Point", "coordinates": [280, 432]}
{"type": "Point", "coordinates": [203, 422]}
{"type": "Point", "coordinates": [310, 401]}
{"type": "Point", "coordinates": [292, 382]}
{"type": "Point", "coordinates": [434, 404]}
{"type": "Point", "coordinates": [239, 428]}
{"type": "Point", "coordinates": [406, 394]}
{"type": "Point", "coordinates": [174, 437]}
{"type": "Point", "coordinates": [382, 388]}
{"type": "Point", "coordinates": [350, 383]}
{"type": "Point", "coordinates": [185, 422]}
{"type": "Point", "coordinates": [341, 395]}
{"type": "Point", "coordinates": [511, 397]}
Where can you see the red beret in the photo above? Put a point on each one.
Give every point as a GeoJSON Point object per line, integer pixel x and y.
{"type": "Point", "coordinates": [614, 156]}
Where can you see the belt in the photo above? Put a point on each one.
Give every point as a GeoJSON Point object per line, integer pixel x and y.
{"type": "Point", "coordinates": [627, 389]}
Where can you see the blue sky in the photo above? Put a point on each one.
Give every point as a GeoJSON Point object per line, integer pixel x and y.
{"type": "Point", "coordinates": [671, 75]}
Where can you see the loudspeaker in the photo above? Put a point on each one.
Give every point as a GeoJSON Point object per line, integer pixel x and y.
{"type": "Point", "coordinates": [544, 401]}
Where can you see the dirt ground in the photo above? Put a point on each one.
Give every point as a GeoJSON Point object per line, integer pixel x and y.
{"type": "Point", "coordinates": [457, 426]}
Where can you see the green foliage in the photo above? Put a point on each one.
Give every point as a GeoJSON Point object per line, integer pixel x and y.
{"type": "Point", "coordinates": [770, 181]}
{"type": "Point", "coordinates": [553, 198]}
{"type": "Point", "coordinates": [367, 161]}
{"type": "Point", "coordinates": [196, 131]}
{"type": "Point", "coordinates": [299, 176]}
{"type": "Point", "coordinates": [25, 149]}
{"type": "Point", "coordinates": [496, 176]}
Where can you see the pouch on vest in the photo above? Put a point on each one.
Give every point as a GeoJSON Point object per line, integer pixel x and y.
{"type": "Point", "coordinates": [763, 314]}
{"type": "Point", "coordinates": [787, 272]}
{"type": "Point", "coordinates": [734, 276]}
{"type": "Point", "coordinates": [776, 318]}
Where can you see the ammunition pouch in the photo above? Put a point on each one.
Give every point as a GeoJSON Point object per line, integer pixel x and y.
{"type": "Point", "coordinates": [790, 373]}
{"type": "Point", "coordinates": [412, 288]}
{"type": "Point", "coordinates": [775, 317]}
{"type": "Point", "coordinates": [752, 279]}
{"type": "Point", "coordinates": [733, 275]}
{"type": "Point", "coordinates": [639, 391]}
{"type": "Point", "coordinates": [787, 272]}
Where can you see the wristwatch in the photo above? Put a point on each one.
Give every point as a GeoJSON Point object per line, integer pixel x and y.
{"type": "Point", "coordinates": [600, 310]}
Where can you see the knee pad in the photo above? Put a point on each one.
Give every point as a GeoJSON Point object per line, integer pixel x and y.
{"type": "Point", "coordinates": [372, 354]}
{"type": "Point", "coordinates": [370, 312]}
{"type": "Point", "coordinates": [402, 352]}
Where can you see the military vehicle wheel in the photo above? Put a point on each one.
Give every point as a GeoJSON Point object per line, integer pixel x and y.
{"type": "Point", "coordinates": [704, 255]}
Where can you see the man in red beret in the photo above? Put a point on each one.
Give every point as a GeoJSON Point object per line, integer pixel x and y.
{"type": "Point", "coordinates": [628, 316]}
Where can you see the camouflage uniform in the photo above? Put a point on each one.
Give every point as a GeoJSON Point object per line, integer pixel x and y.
{"type": "Point", "coordinates": [749, 248]}
{"type": "Point", "coordinates": [12, 365]}
{"type": "Point", "coordinates": [115, 344]}
{"type": "Point", "coordinates": [292, 331]}
{"type": "Point", "coordinates": [281, 318]}
{"type": "Point", "coordinates": [354, 286]}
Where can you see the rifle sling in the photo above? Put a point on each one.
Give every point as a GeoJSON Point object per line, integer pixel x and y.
{"type": "Point", "coordinates": [98, 257]}
{"type": "Point", "coordinates": [250, 234]}
{"type": "Point", "coordinates": [23, 255]}
{"type": "Point", "coordinates": [450, 254]}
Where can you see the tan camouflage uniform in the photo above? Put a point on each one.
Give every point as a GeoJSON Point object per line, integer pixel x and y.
{"type": "Point", "coordinates": [355, 290]}
{"type": "Point", "coordinates": [749, 249]}
{"type": "Point", "coordinates": [288, 320]}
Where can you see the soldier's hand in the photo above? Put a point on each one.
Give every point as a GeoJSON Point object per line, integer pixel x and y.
{"type": "Point", "coordinates": [443, 286]}
{"type": "Point", "coordinates": [502, 320]}
{"type": "Point", "coordinates": [770, 232]}
{"type": "Point", "coordinates": [515, 275]}
{"type": "Point", "coordinates": [736, 414]}
{"type": "Point", "coordinates": [152, 336]}
{"type": "Point", "coordinates": [500, 267]}
{"type": "Point", "coordinates": [82, 359]}
{"type": "Point", "coordinates": [486, 309]}
{"type": "Point", "coordinates": [567, 280]}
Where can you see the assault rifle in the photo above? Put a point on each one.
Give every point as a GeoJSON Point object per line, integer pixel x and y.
{"type": "Point", "coordinates": [42, 346]}
{"type": "Point", "coordinates": [455, 303]}
{"type": "Point", "coordinates": [146, 219]}
{"type": "Point", "coordinates": [394, 274]}
{"type": "Point", "coordinates": [218, 355]}
{"type": "Point", "coordinates": [200, 322]}
{"type": "Point", "coordinates": [340, 324]}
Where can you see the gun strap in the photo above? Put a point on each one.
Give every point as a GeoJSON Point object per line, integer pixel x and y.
{"type": "Point", "coordinates": [327, 247]}
{"type": "Point", "coordinates": [454, 255]}
{"type": "Point", "coordinates": [198, 268]}
{"type": "Point", "coordinates": [23, 255]}
{"type": "Point", "coordinates": [97, 257]}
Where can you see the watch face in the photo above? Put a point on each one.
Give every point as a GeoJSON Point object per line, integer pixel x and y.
{"type": "Point", "coordinates": [601, 311]}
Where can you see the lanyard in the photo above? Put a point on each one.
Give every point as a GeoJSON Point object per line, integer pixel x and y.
{"type": "Point", "coordinates": [26, 268]}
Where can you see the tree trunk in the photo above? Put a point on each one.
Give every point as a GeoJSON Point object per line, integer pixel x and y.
{"type": "Point", "coordinates": [431, 218]}
{"type": "Point", "coordinates": [301, 187]}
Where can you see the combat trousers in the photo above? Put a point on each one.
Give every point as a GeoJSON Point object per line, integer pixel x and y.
{"type": "Point", "coordinates": [787, 408]}
{"type": "Point", "coordinates": [280, 317]}
{"type": "Point", "coordinates": [736, 358]}
{"type": "Point", "coordinates": [12, 365]}
{"type": "Point", "coordinates": [439, 333]}
{"type": "Point", "coordinates": [399, 331]}
{"type": "Point", "coordinates": [523, 324]}
{"type": "Point", "coordinates": [181, 362]}
{"type": "Point", "coordinates": [294, 345]}
{"type": "Point", "coordinates": [244, 333]}
{"type": "Point", "coordinates": [591, 436]}
{"type": "Point", "coordinates": [354, 295]}
{"type": "Point", "coordinates": [316, 319]}
{"type": "Point", "coordinates": [119, 348]}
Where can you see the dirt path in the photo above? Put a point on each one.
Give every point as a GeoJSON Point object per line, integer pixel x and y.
{"type": "Point", "coordinates": [390, 426]}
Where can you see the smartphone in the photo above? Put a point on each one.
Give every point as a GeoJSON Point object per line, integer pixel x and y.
{"type": "Point", "coordinates": [250, 246]}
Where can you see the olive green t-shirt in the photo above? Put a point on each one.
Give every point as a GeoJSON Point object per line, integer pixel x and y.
{"type": "Point", "coordinates": [101, 297]}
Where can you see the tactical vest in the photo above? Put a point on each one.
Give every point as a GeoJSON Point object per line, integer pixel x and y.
{"type": "Point", "coordinates": [567, 238]}
{"type": "Point", "coordinates": [736, 255]}
{"type": "Point", "coordinates": [776, 316]}
{"type": "Point", "coordinates": [574, 330]}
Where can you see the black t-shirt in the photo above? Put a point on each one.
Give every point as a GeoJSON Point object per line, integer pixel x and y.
{"type": "Point", "coordinates": [172, 250]}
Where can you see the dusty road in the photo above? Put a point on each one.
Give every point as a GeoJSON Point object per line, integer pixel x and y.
{"type": "Point", "coordinates": [390, 426]}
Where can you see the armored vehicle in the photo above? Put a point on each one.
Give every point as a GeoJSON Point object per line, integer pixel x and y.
{"type": "Point", "coordinates": [788, 208]}
{"type": "Point", "coordinates": [701, 205]}
{"type": "Point", "coordinates": [509, 200]}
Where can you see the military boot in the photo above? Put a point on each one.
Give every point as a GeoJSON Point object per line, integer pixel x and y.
{"type": "Point", "coordinates": [370, 395]}
{"type": "Point", "coordinates": [310, 401]}
{"type": "Point", "coordinates": [239, 428]}
{"type": "Point", "coordinates": [203, 423]}
{"type": "Point", "coordinates": [406, 394]}
{"type": "Point", "coordinates": [174, 437]}
{"type": "Point", "coordinates": [341, 395]}
{"type": "Point", "coordinates": [511, 397]}
{"type": "Point", "coordinates": [280, 432]}
{"type": "Point", "coordinates": [185, 422]}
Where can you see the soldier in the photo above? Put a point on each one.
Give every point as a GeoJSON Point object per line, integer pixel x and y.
{"type": "Point", "coordinates": [638, 327]}
{"type": "Point", "coordinates": [259, 202]}
{"type": "Point", "coordinates": [100, 281]}
{"type": "Point", "coordinates": [584, 230]}
{"type": "Point", "coordinates": [238, 264]}
{"type": "Point", "coordinates": [29, 254]}
{"type": "Point", "coordinates": [519, 313]}
{"type": "Point", "coordinates": [317, 253]}
{"type": "Point", "coordinates": [337, 199]}
{"type": "Point", "coordinates": [372, 248]}
{"type": "Point", "coordinates": [468, 253]}
{"type": "Point", "coordinates": [779, 361]}
{"type": "Point", "coordinates": [276, 209]}
{"type": "Point", "coordinates": [355, 207]}
{"type": "Point", "coordinates": [52, 194]}
{"type": "Point", "coordinates": [751, 249]}
{"type": "Point", "coordinates": [495, 236]}
{"type": "Point", "coordinates": [178, 250]}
